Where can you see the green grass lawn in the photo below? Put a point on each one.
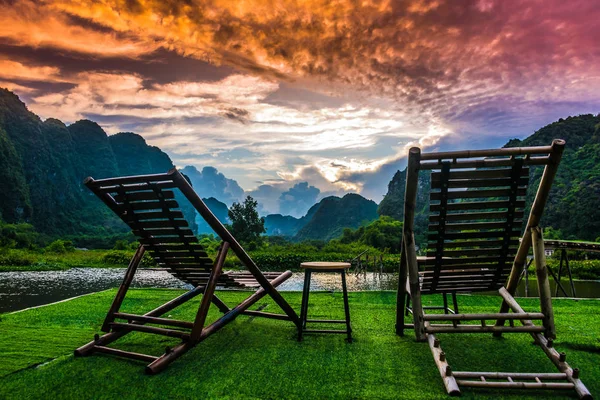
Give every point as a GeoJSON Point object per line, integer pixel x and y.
{"type": "Point", "coordinates": [259, 358]}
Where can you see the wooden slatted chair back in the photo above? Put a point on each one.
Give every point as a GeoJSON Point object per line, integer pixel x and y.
{"type": "Point", "coordinates": [149, 205]}
{"type": "Point", "coordinates": [477, 203]}
{"type": "Point", "coordinates": [475, 223]}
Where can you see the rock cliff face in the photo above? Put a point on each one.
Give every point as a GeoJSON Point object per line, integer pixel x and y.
{"type": "Point", "coordinates": [43, 165]}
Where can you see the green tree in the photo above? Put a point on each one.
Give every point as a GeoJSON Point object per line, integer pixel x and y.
{"type": "Point", "coordinates": [246, 225]}
{"type": "Point", "coordinates": [383, 233]}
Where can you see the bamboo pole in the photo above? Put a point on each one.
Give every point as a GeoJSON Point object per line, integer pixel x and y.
{"type": "Point", "coordinates": [570, 275]}
{"type": "Point", "coordinates": [125, 354]}
{"type": "Point", "coordinates": [264, 314]}
{"type": "Point", "coordinates": [558, 274]}
{"type": "Point", "coordinates": [505, 375]}
{"type": "Point", "coordinates": [477, 317]}
{"type": "Point", "coordinates": [448, 328]}
{"type": "Point", "coordinates": [401, 294]}
{"type": "Point", "coordinates": [440, 361]}
{"type": "Point", "coordinates": [89, 181]}
{"type": "Point", "coordinates": [122, 292]}
{"type": "Point", "coordinates": [239, 251]}
{"type": "Point", "coordinates": [412, 181]}
{"type": "Point", "coordinates": [550, 351]}
{"type": "Point", "coordinates": [220, 304]}
{"type": "Point", "coordinates": [108, 338]}
{"type": "Point", "coordinates": [151, 329]}
{"type": "Point", "coordinates": [535, 215]}
{"type": "Point", "coordinates": [505, 151]}
{"type": "Point", "coordinates": [543, 282]}
{"type": "Point", "coordinates": [154, 320]}
{"type": "Point", "coordinates": [209, 291]}
{"type": "Point", "coordinates": [487, 163]}
{"type": "Point", "coordinates": [517, 385]}
{"type": "Point", "coordinates": [167, 358]}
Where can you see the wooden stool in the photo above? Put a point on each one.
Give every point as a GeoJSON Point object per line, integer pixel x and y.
{"type": "Point", "coordinates": [309, 268]}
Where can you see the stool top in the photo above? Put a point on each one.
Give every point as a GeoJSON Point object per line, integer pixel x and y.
{"type": "Point", "coordinates": [325, 265]}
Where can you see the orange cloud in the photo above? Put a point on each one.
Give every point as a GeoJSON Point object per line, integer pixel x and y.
{"type": "Point", "coordinates": [15, 70]}
{"type": "Point", "coordinates": [38, 24]}
{"type": "Point", "coordinates": [416, 50]}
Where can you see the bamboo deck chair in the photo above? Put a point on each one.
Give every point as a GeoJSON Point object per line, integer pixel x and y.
{"type": "Point", "coordinates": [476, 214]}
{"type": "Point", "coordinates": [148, 205]}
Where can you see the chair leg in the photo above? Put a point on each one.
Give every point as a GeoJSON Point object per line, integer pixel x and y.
{"type": "Point", "coordinates": [220, 304]}
{"type": "Point", "coordinates": [304, 306]}
{"type": "Point", "coordinates": [559, 273]}
{"type": "Point", "coordinates": [108, 338]}
{"type": "Point", "coordinates": [415, 286]}
{"type": "Point", "coordinates": [346, 306]}
{"type": "Point", "coordinates": [455, 303]}
{"type": "Point", "coordinates": [209, 292]}
{"type": "Point", "coordinates": [445, 300]}
{"type": "Point", "coordinates": [573, 293]}
{"type": "Point", "coordinates": [541, 271]}
{"type": "Point", "coordinates": [402, 299]}
{"type": "Point", "coordinates": [445, 371]}
{"type": "Point", "coordinates": [120, 296]}
{"type": "Point", "coordinates": [172, 354]}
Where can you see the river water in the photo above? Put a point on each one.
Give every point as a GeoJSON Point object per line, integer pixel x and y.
{"type": "Point", "coordinates": [19, 290]}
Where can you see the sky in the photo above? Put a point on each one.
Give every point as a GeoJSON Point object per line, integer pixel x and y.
{"type": "Point", "coordinates": [294, 100]}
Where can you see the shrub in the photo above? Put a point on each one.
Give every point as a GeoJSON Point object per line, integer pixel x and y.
{"type": "Point", "coordinates": [17, 257]}
{"type": "Point", "coordinates": [121, 245]}
{"type": "Point", "coordinates": [291, 260]}
{"type": "Point", "coordinates": [581, 269]}
{"type": "Point", "coordinates": [60, 247]}
{"type": "Point", "coordinates": [20, 236]}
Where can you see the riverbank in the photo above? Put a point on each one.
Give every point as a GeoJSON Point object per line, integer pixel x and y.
{"type": "Point", "coordinates": [258, 358]}
{"type": "Point", "coordinates": [30, 260]}
{"type": "Point", "coordinates": [268, 260]}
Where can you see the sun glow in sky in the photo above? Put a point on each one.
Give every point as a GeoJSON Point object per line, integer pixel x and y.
{"type": "Point", "coordinates": [273, 93]}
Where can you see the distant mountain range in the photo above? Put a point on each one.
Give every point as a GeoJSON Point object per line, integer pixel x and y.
{"type": "Point", "coordinates": [325, 220]}
{"type": "Point", "coordinates": [43, 164]}
{"type": "Point", "coordinates": [573, 209]}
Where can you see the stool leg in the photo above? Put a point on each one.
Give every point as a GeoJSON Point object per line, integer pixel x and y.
{"type": "Point", "coordinates": [346, 306]}
{"type": "Point", "coordinates": [304, 306]}
{"type": "Point", "coordinates": [445, 303]}
{"type": "Point", "coordinates": [455, 302]}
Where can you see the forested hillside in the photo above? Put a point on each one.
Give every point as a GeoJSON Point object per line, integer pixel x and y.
{"type": "Point", "coordinates": [573, 210]}
{"type": "Point", "coordinates": [328, 218]}
{"type": "Point", "coordinates": [43, 165]}
{"type": "Point", "coordinates": [283, 225]}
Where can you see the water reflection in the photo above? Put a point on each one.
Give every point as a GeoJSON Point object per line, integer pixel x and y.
{"type": "Point", "coordinates": [19, 290]}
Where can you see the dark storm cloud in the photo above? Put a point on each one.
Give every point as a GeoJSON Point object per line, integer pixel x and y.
{"type": "Point", "coordinates": [237, 114]}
